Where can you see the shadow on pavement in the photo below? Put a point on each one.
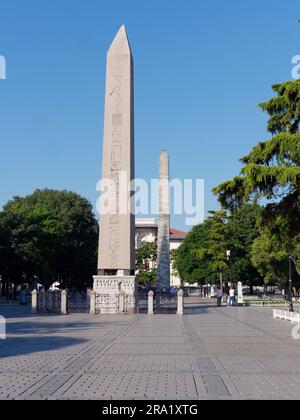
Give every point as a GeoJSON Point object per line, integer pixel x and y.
{"type": "Point", "coordinates": [15, 311]}
{"type": "Point", "coordinates": [19, 346]}
{"type": "Point", "coordinates": [195, 306]}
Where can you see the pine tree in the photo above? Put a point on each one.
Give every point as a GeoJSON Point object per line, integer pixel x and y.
{"type": "Point", "coordinates": [271, 171]}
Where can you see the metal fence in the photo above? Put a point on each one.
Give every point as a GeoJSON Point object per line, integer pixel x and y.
{"type": "Point", "coordinates": [163, 303]}
{"type": "Point", "coordinates": [106, 303]}
{"type": "Point", "coordinates": [4, 300]}
{"type": "Point", "coordinates": [78, 302]}
{"type": "Point", "coordinates": [142, 305]}
{"type": "Point", "coordinates": [49, 302]}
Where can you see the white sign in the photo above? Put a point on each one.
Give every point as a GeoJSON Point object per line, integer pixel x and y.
{"type": "Point", "coordinates": [2, 68]}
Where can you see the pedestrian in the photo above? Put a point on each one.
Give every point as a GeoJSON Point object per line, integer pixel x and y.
{"type": "Point", "coordinates": [219, 296]}
{"type": "Point", "coordinates": [23, 297]}
{"type": "Point", "coordinates": [231, 296]}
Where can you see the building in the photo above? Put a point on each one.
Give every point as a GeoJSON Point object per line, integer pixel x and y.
{"type": "Point", "coordinates": [146, 230]}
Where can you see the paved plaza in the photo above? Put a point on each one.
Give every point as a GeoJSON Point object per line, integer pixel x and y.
{"type": "Point", "coordinates": [212, 353]}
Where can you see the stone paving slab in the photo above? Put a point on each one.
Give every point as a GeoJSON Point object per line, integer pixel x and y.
{"type": "Point", "coordinates": [214, 353]}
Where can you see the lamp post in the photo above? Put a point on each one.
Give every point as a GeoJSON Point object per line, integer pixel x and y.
{"type": "Point", "coordinates": [228, 255]}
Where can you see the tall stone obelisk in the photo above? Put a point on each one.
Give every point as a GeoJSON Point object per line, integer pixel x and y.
{"type": "Point", "coordinates": [116, 253]}
{"type": "Point", "coordinates": [163, 256]}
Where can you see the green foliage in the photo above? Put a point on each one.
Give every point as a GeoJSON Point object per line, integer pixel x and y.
{"type": "Point", "coordinates": [271, 251]}
{"type": "Point", "coordinates": [272, 169]}
{"type": "Point", "coordinates": [243, 231]}
{"type": "Point", "coordinates": [203, 253]}
{"type": "Point", "coordinates": [271, 175]}
{"type": "Point", "coordinates": [51, 235]}
{"type": "Point", "coordinates": [191, 265]}
{"type": "Point", "coordinates": [284, 109]}
{"type": "Point", "coordinates": [202, 256]}
{"type": "Point", "coordinates": [217, 243]}
{"type": "Point", "coordinates": [146, 260]}
{"type": "Point", "coordinates": [270, 259]}
{"type": "Point", "coordinates": [173, 258]}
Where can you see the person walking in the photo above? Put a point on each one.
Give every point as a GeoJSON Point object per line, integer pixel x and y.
{"type": "Point", "coordinates": [219, 296]}
{"type": "Point", "coordinates": [23, 297]}
{"type": "Point", "coordinates": [231, 296]}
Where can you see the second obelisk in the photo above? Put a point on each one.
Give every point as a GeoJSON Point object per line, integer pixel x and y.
{"type": "Point", "coordinates": [116, 253]}
{"type": "Point", "coordinates": [163, 243]}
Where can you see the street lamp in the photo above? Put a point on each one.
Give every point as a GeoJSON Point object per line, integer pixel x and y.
{"type": "Point", "coordinates": [228, 255]}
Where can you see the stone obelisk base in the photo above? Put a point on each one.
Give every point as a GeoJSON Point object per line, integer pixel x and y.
{"type": "Point", "coordinates": [115, 294]}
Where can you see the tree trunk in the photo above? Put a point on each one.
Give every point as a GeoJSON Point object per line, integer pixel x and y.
{"type": "Point", "coordinates": [221, 278]}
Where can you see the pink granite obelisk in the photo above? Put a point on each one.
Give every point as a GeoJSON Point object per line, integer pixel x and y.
{"type": "Point", "coordinates": [116, 253]}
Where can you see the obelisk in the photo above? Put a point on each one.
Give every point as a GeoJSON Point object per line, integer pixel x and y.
{"type": "Point", "coordinates": [163, 251]}
{"type": "Point", "coordinates": [116, 253]}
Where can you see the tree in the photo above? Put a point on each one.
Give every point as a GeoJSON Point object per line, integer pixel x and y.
{"type": "Point", "coordinates": [270, 259]}
{"type": "Point", "coordinates": [10, 266]}
{"type": "Point", "coordinates": [202, 255]}
{"type": "Point", "coordinates": [146, 259]}
{"type": "Point", "coordinates": [217, 243]}
{"type": "Point", "coordinates": [51, 235]}
{"type": "Point", "coordinates": [243, 231]}
{"type": "Point", "coordinates": [173, 259]}
{"type": "Point", "coordinates": [189, 264]}
{"type": "Point", "coordinates": [271, 175]}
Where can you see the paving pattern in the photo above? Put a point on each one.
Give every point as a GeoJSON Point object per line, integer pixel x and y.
{"type": "Point", "coordinates": [212, 353]}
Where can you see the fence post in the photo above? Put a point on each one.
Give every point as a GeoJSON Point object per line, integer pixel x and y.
{"type": "Point", "coordinates": [150, 303]}
{"type": "Point", "coordinates": [93, 303]}
{"type": "Point", "coordinates": [64, 302]}
{"type": "Point", "coordinates": [180, 302]}
{"type": "Point", "coordinates": [34, 301]}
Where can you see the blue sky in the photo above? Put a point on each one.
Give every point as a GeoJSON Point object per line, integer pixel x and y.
{"type": "Point", "coordinates": [201, 68]}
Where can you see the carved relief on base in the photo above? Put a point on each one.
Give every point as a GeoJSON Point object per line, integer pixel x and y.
{"type": "Point", "coordinates": [115, 294]}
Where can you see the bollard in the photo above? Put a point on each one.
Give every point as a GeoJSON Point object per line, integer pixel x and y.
{"type": "Point", "coordinates": [64, 302]}
{"type": "Point", "coordinates": [180, 302]}
{"type": "Point", "coordinates": [93, 303]}
{"type": "Point", "coordinates": [150, 303]}
{"type": "Point", "coordinates": [34, 301]}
